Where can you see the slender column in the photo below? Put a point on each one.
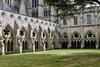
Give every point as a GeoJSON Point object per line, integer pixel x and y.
{"type": "Point", "coordinates": [90, 44]}
{"type": "Point", "coordinates": [21, 49]}
{"type": "Point", "coordinates": [82, 45]}
{"type": "Point", "coordinates": [76, 44]}
{"type": "Point", "coordinates": [20, 44]}
{"type": "Point", "coordinates": [33, 47]}
{"type": "Point", "coordinates": [97, 28]}
{"type": "Point", "coordinates": [82, 38]}
{"type": "Point", "coordinates": [33, 42]}
{"type": "Point", "coordinates": [69, 36]}
{"type": "Point", "coordinates": [52, 45]}
{"type": "Point", "coordinates": [3, 47]}
{"type": "Point", "coordinates": [97, 43]}
{"type": "Point", "coordinates": [44, 46]}
{"type": "Point", "coordinates": [6, 41]}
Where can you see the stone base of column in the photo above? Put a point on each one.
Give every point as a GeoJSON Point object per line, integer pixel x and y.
{"type": "Point", "coordinates": [97, 46]}
{"type": "Point", "coordinates": [34, 48]}
{"type": "Point", "coordinates": [69, 46]}
{"type": "Point", "coordinates": [3, 50]}
{"type": "Point", "coordinates": [82, 46]}
{"type": "Point", "coordinates": [21, 49]}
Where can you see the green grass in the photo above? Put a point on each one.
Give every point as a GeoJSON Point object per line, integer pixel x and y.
{"type": "Point", "coordinates": [53, 58]}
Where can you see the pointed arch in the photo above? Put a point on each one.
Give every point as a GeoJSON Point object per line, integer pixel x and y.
{"type": "Point", "coordinates": [35, 33]}
{"type": "Point", "coordinates": [58, 35]}
{"type": "Point", "coordinates": [64, 35]}
{"type": "Point", "coordinates": [7, 30]}
{"type": "Point", "coordinates": [8, 33]}
{"type": "Point", "coordinates": [64, 42]}
{"type": "Point", "coordinates": [44, 34]}
{"type": "Point", "coordinates": [23, 31]}
{"type": "Point", "coordinates": [89, 33]}
{"type": "Point", "coordinates": [52, 34]}
{"type": "Point", "coordinates": [76, 40]}
{"type": "Point", "coordinates": [76, 35]}
{"type": "Point", "coordinates": [90, 39]}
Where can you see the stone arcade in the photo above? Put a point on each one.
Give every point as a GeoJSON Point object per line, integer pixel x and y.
{"type": "Point", "coordinates": [20, 33]}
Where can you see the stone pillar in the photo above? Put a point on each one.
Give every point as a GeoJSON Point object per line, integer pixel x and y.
{"type": "Point", "coordinates": [6, 43]}
{"type": "Point", "coordinates": [82, 44]}
{"type": "Point", "coordinates": [69, 44]}
{"type": "Point", "coordinates": [69, 36]}
{"type": "Point", "coordinates": [44, 46]}
{"type": "Point", "coordinates": [76, 44]}
{"type": "Point", "coordinates": [82, 33]}
{"type": "Point", "coordinates": [33, 45]}
{"type": "Point", "coordinates": [21, 49]}
{"type": "Point", "coordinates": [20, 44]}
{"type": "Point", "coordinates": [3, 47]}
{"type": "Point", "coordinates": [52, 45]}
{"type": "Point", "coordinates": [97, 28]}
{"type": "Point", "coordinates": [97, 43]}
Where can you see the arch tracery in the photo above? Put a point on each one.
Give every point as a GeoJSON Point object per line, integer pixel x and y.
{"type": "Point", "coordinates": [76, 40]}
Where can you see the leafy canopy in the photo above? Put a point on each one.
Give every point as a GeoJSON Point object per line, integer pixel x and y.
{"type": "Point", "coordinates": [68, 8]}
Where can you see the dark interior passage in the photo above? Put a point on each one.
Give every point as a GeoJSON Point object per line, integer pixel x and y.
{"type": "Point", "coordinates": [64, 45]}
{"type": "Point", "coordinates": [90, 44]}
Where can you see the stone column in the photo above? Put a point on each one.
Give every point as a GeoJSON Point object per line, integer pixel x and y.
{"type": "Point", "coordinates": [3, 47]}
{"type": "Point", "coordinates": [97, 28]}
{"type": "Point", "coordinates": [69, 36]}
{"type": "Point", "coordinates": [82, 44]}
{"type": "Point", "coordinates": [33, 47]}
{"type": "Point", "coordinates": [33, 43]}
{"type": "Point", "coordinates": [82, 33]}
{"type": "Point", "coordinates": [20, 44]}
{"type": "Point", "coordinates": [52, 45]}
{"type": "Point", "coordinates": [76, 44]}
{"type": "Point", "coordinates": [97, 43]}
{"type": "Point", "coordinates": [6, 43]}
{"type": "Point", "coordinates": [44, 46]}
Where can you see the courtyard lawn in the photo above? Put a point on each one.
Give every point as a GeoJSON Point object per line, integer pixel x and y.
{"type": "Point", "coordinates": [53, 58]}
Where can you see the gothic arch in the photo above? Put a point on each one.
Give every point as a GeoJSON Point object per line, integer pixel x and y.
{"type": "Point", "coordinates": [64, 41]}
{"type": "Point", "coordinates": [75, 40]}
{"type": "Point", "coordinates": [44, 34]}
{"type": "Point", "coordinates": [89, 34]}
{"type": "Point", "coordinates": [52, 34]}
{"type": "Point", "coordinates": [23, 34]}
{"type": "Point", "coordinates": [58, 35]}
{"type": "Point", "coordinates": [8, 34]}
{"type": "Point", "coordinates": [90, 40]}
{"type": "Point", "coordinates": [35, 36]}
{"type": "Point", "coordinates": [35, 33]}
{"type": "Point", "coordinates": [65, 36]}
{"type": "Point", "coordinates": [23, 30]}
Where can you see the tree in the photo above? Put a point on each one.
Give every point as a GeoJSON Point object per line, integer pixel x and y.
{"type": "Point", "coordinates": [67, 8]}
